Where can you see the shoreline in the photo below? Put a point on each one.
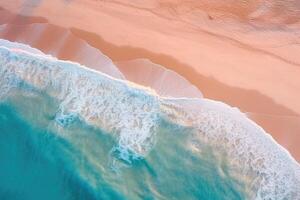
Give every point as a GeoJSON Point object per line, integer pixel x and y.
{"type": "Point", "coordinates": [245, 94]}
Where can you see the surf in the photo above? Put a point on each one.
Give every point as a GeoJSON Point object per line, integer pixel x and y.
{"type": "Point", "coordinates": [121, 140]}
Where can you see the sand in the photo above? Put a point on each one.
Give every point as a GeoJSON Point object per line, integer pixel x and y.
{"type": "Point", "coordinates": [246, 55]}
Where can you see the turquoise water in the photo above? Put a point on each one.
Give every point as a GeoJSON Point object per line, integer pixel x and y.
{"type": "Point", "coordinates": [41, 160]}
{"type": "Point", "coordinates": [67, 132]}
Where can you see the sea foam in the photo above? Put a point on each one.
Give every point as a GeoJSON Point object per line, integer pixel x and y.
{"type": "Point", "coordinates": [134, 113]}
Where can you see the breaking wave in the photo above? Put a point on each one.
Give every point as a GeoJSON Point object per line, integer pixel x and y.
{"type": "Point", "coordinates": [114, 139]}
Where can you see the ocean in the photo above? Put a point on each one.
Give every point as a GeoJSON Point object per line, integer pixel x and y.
{"type": "Point", "coordinates": [69, 132]}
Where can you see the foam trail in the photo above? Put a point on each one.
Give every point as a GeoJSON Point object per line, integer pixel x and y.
{"type": "Point", "coordinates": [134, 114]}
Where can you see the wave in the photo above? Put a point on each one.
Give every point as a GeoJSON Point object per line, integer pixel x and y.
{"type": "Point", "coordinates": [247, 145]}
{"type": "Point", "coordinates": [106, 102]}
{"type": "Point", "coordinates": [215, 132]}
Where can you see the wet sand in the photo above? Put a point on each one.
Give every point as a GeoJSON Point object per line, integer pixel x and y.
{"type": "Point", "coordinates": [253, 65]}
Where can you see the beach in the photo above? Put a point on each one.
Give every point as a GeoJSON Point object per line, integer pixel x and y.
{"type": "Point", "coordinates": [232, 59]}
{"type": "Point", "coordinates": [154, 99]}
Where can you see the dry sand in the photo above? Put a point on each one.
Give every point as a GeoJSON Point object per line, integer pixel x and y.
{"type": "Point", "coordinates": [245, 54]}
